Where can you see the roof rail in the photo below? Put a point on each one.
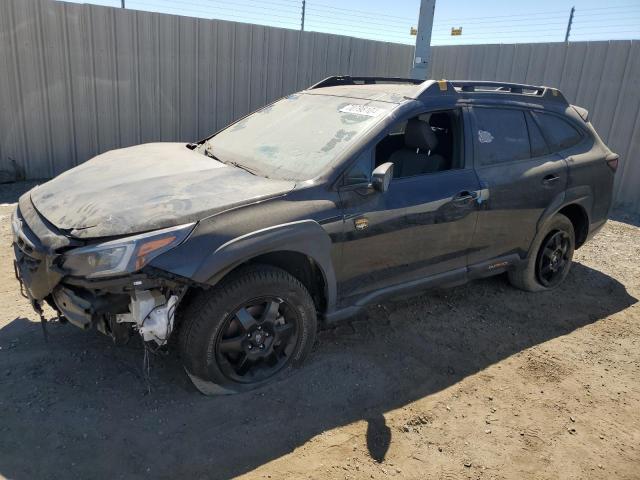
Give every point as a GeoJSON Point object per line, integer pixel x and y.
{"type": "Point", "coordinates": [337, 80]}
{"type": "Point", "coordinates": [461, 88]}
{"type": "Point", "coordinates": [474, 86]}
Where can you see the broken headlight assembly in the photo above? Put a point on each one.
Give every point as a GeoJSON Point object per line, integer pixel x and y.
{"type": "Point", "coordinates": [124, 255]}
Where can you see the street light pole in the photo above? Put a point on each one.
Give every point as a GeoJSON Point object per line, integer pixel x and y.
{"type": "Point", "coordinates": [304, 7]}
{"type": "Point", "coordinates": [422, 54]}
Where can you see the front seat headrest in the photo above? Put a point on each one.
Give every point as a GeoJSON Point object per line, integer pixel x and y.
{"type": "Point", "coordinates": [418, 134]}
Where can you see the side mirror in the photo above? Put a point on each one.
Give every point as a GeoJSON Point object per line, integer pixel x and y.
{"type": "Point", "coordinates": [381, 177]}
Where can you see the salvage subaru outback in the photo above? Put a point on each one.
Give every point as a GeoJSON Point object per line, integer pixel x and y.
{"type": "Point", "coordinates": [302, 213]}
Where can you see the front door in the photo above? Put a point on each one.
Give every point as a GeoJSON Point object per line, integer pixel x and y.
{"type": "Point", "coordinates": [423, 224]}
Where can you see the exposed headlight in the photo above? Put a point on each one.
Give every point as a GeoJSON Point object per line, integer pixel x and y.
{"type": "Point", "coordinates": [124, 255]}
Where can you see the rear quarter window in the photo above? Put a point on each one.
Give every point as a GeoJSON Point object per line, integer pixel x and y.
{"type": "Point", "coordinates": [560, 134]}
{"type": "Point", "coordinates": [538, 144]}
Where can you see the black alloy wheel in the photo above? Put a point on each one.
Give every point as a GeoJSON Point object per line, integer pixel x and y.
{"type": "Point", "coordinates": [254, 327]}
{"type": "Point", "coordinates": [553, 259]}
{"type": "Point", "coordinates": [257, 340]}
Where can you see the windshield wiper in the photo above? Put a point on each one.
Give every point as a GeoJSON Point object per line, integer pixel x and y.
{"type": "Point", "coordinates": [242, 167]}
{"type": "Point", "coordinates": [210, 154]}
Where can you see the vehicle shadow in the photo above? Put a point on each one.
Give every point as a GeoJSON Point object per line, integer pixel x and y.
{"type": "Point", "coordinates": [79, 406]}
{"type": "Point", "coordinates": [624, 216]}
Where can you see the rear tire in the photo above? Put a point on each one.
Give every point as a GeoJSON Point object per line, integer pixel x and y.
{"type": "Point", "coordinates": [252, 328]}
{"type": "Point", "coordinates": [550, 259]}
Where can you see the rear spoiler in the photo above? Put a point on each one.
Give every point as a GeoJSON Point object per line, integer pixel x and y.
{"type": "Point", "coordinates": [583, 112]}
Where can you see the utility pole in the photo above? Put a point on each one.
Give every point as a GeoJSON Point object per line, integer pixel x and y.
{"type": "Point", "coordinates": [122, 3]}
{"type": "Point", "coordinates": [422, 55]}
{"type": "Point", "coordinates": [304, 7]}
{"type": "Point", "coordinates": [566, 37]}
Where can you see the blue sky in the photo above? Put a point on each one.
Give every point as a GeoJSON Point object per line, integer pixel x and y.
{"type": "Point", "coordinates": [488, 21]}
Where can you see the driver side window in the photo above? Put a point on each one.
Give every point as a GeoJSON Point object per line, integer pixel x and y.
{"type": "Point", "coordinates": [425, 144]}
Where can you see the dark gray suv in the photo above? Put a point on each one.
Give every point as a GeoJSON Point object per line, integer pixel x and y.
{"type": "Point", "coordinates": [309, 209]}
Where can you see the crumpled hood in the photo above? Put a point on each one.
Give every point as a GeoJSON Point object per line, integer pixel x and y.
{"type": "Point", "coordinates": [147, 187]}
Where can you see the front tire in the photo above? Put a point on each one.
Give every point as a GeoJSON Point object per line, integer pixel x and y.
{"type": "Point", "coordinates": [252, 328]}
{"type": "Point", "coordinates": [550, 259]}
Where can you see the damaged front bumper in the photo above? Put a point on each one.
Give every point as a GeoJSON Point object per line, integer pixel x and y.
{"type": "Point", "coordinates": [145, 301]}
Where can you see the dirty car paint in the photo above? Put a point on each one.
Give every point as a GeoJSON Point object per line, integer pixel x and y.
{"type": "Point", "coordinates": [147, 187]}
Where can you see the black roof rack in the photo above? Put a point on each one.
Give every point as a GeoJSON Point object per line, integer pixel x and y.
{"type": "Point", "coordinates": [338, 80]}
{"type": "Point", "coordinates": [483, 87]}
{"type": "Point", "coordinates": [473, 85]}
{"type": "Point", "coordinates": [463, 88]}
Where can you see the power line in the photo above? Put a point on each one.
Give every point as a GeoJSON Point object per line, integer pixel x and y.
{"type": "Point", "coordinates": [348, 29]}
{"type": "Point", "coordinates": [609, 32]}
{"type": "Point", "coordinates": [532, 29]}
{"type": "Point", "coordinates": [610, 25]}
{"type": "Point", "coordinates": [359, 23]}
{"type": "Point", "coordinates": [369, 32]}
{"type": "Point", "coordinates": [635, 5]}
{"type": "Point", "coordinates": [295, 6]}
{"type": "Point", "coordinates": [458, 19]}
{"type": "Point", "coordinates": [364, 22]}
{"type": "Point", "coordinates": [209, 15]}
{"type": "Point", "coordinates": [501, 22]}
{"type": "Point", "coordinates": [511, 34]}
{"type": "Point", "coordinates": [364, 12]}
{"type": "Point", "coordinates": [356, 25]}
{"type": "Point", "coordinates": [215, 4]}
{"type": "Point", "coordinates": [340, 16]}
{"type": "Point", "coordinates": [601, 22]}
{"type": "Point", "coordinates": [526, 26]}
{"type": "Point", "coordinates": [604, 15]}
{"type": "Point", "coordinates": [592, 34]}
{"type": "Point", "coordinates": [241, 11]}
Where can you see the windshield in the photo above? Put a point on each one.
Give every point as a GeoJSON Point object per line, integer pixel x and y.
{"type": "Point", "coordinates": [297, 137]}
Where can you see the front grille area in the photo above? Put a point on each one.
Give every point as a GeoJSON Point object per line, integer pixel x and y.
{"type": "Point", "coordinates": [22, 245]}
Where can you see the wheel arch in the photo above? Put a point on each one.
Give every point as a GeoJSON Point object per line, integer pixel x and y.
{"type": "Point", "coordinates": [575, 204]}
{"type": "Point", "coordinates": [301, 248]}
{"type": "Point", "coordinates": [579, 219]}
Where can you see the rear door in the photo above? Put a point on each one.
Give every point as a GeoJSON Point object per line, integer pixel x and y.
{"type": "Point", "coordinates": [519, 176]}
{"type": "Point", "coordinates": [589, 173]}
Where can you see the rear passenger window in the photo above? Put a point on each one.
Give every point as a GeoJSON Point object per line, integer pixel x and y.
{"type": "Point", "coordinates": [501, 135]}
{"type": "Point", "coordinates": [559, 133]}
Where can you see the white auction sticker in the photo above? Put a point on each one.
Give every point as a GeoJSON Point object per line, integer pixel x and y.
{"type": "Point", "coordinates": [367, 110]}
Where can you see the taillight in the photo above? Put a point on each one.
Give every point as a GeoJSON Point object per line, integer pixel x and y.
{"type": "Point", "coordinates": [612, 161]}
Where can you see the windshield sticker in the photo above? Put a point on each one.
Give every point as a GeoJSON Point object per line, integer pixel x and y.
{"type": "Point", "coordinates": [361, 110]}
{"type": "Point", "coordinates": [484, 136]}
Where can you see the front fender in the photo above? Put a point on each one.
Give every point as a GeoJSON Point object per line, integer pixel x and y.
{"type": "Point", "coordinates": [305, 236]}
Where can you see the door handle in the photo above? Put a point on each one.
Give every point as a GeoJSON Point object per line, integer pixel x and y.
{"type": "Point", "coordinates": [465, 197]}
{"type": "Point", "coordinates": [550, 179]}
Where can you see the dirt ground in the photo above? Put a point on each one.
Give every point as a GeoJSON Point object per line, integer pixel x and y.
{"type": "Point", "coordinates": [481, 381]}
